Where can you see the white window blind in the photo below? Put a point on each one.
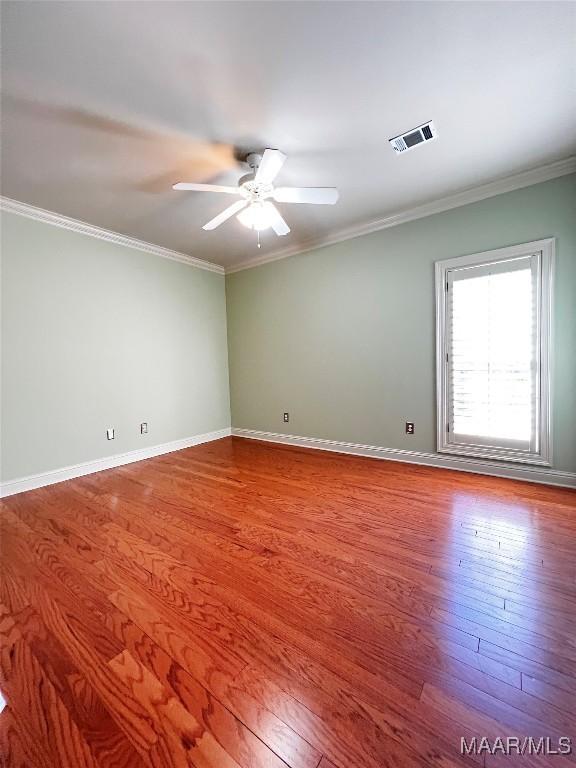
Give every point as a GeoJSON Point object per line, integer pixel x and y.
{"type": "Point", "coordinates": [492, 376]}
{"type": "Point", "coordinates": [492, 354]}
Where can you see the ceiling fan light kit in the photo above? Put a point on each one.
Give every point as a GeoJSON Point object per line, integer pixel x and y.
{"type": "Point", "coordinates": [254, 210]}
{"type": "Point", "coordinates": [257, 216]}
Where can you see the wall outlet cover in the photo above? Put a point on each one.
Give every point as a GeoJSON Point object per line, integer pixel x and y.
{"type": "Point", "coordinates": [144, 428]}
{"type": "Point", "coordinates": [409, 427]}
{"type": "Point", "coordinates": [110, 434]}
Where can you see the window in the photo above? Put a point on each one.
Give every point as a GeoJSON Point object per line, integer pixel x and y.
{"type": "Point", "coordinates": [493, 329]}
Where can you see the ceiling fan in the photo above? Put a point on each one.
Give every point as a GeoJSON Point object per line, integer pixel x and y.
{"type": "Point", "coordinates": [255, 209]}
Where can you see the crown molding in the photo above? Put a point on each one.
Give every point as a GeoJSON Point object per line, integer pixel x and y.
{"type": "Point", "coordinates": [467, 196]}
{"type": "Point", "coordinates": [82, 227]}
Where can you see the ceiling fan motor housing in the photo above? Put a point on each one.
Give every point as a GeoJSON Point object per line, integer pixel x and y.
{"type": "Point", "coordinates": [253, 160]}
{"type": "Point", "coordinates": [248, 187]}
{"type": "Point", "coordinates": [254, 190]}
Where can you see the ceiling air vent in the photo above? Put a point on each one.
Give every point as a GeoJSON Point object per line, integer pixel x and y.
{"type": "Point", "coordinates": [413, 138]}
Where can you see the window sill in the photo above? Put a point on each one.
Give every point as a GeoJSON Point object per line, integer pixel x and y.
{"type": "Point", "coordinates": [496, 454]}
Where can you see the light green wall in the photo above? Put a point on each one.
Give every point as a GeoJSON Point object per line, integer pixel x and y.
{"type": "Point", "coordinates": [343, 337]}
{"type": "Point", "coordinates": [97, 335]}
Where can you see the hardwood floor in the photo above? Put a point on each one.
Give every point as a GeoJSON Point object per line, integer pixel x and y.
{"type": "Point", "coordinates": [243, 604]}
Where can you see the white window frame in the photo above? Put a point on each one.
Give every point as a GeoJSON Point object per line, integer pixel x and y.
{"type": "Point", "coordinates": [543, 251]}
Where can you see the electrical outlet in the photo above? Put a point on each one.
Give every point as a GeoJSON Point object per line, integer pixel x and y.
{"type": "Point", "coordinates": [144, 428]}
{"type": "Point", "coordinates": [409, 427]}
{"type": "Point", "coordinates": [286, 417]}
{"type": "Point", "coordinates": [110, 434]}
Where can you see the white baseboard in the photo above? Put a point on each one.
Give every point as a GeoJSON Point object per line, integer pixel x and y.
{"type": "Point", "coordinates": [22, 484]}
{"type": "Point", "coordinates": [530, 474]}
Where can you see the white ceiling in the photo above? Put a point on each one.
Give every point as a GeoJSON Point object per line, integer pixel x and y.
{"type": "Point", "coordinates": [107, 104]}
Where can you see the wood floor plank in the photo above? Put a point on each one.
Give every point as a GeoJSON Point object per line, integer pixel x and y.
{"type": "Point", "coordinates": [36, 702]}
{"type": "Point", "coordinates": [251, 734]}
{"type": "Point", "coordinates": [525, 665]}
{"type": "Point", "coordinates": [447, 662]}
{"type": "Point", "coordinates": [558, 629]}
{"type": "Point", "coordinates": [242, 605]}
{"type": "Point", "coordinates": [105, 739]}
{"type": "Point", "coordinates": [182, 740]}
{"type": "Point", "coordinates": [271, 725]}
{"type": "Point", "coordinates": [552, 694]}
{"type": "Point", "coordinates": [560, 655]}
{"type": "Point", "coordinates": [191, 590]}
{"type": "Point", "coordinates": [17, 750]}
{"type": "Point", "coordinates": [128, 713]}
{"type": "Point", "coordinates": [482, 724]}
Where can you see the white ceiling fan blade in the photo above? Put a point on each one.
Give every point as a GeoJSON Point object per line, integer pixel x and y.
{"type": "Point", "coordinates": [277, 222]}
{"type": "Point", "coordinates": [226, 214]}
{"type": "Point", "coordinates": [184, 185]}
{"type": "Point", "coordinates": [315, 195]}
{"type": "Point", "coordinates": [272, 161]}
